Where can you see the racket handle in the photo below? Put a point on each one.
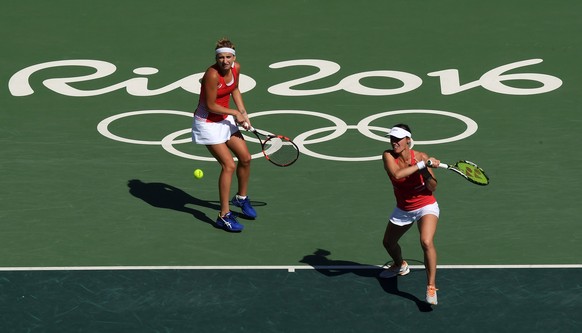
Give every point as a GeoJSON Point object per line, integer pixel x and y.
{"type": "Point", "coordinates": [246, 126]}
{"type": "Point", "coordinates": [441, 165]}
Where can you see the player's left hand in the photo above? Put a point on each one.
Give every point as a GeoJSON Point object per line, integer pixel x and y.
{"type": "Point", "coordinates": [433, 162]}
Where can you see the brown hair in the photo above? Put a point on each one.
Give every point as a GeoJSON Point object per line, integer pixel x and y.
{"type": "Point", "coordinates": [403, 126]}
{"type": "Point", "coordinates": [224, 42]}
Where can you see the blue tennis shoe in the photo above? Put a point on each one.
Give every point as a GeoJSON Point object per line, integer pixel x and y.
{"type": "Point", "coordinates": [228, 222]}
{"type": "Point", "coordinates": [245, 205]}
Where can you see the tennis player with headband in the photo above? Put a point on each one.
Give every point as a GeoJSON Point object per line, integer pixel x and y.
{"type": "Point", "coordinates": [215, 126]}
{"type": "Point", "coordinates": [413, 184]}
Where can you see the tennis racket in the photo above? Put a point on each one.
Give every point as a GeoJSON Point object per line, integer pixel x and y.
{"type": "Point", "coordinates": [469, 170]}
{"type": "Point", "coordinates": [278, 149]}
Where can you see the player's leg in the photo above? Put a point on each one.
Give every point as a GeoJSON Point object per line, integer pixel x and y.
{"type": "Point", "coordinates": [392, 235]}
{"type": "Point", "coordinates": [427, 226]}
{"type": "Point", "coordinates": [238, 146]}
{"type": "Point", "coordinates": [222, 154]}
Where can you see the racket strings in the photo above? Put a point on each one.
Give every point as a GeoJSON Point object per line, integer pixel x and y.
{"type": "Point", "coordinates": [281, 151]}
{"type": "Point", "coordinates": [474, 173]}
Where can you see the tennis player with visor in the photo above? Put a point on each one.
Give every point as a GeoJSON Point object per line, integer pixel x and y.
{"type": "Point", "coordinates": [414, 183]}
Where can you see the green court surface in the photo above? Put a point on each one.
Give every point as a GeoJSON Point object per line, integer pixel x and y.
{"type": "Point", "coordinates": [104, 229]}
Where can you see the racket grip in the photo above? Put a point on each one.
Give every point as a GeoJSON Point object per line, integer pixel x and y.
{"type": "Point", "coordinates": [441, 165]}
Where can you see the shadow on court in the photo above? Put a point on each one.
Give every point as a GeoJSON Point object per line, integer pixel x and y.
{"type": "Point", "coordinates": [166, 196]}
{"type": "Point", "coordinates": [328, 267]}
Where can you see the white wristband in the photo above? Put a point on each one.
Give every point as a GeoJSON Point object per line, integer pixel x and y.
{"type": "Point", "coordinates": [421, 165]}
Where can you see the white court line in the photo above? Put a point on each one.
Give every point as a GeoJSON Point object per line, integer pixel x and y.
{"type": "Point", "coordinates": [289, 268]}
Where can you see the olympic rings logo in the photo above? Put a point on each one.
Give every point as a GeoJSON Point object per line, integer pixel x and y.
{"type": "Point", "coordinates": [302, 140]}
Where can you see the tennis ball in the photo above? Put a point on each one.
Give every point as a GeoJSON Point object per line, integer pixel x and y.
{"type": "Point", "coordinates": [198, 174]}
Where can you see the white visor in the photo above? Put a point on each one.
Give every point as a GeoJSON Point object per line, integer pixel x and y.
{"type": "Point", "coordinates": [399, 133]}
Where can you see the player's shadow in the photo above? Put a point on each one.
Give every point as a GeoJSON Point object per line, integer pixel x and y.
{"type": "Point", "coordinates": [328, 267]}
{"type": "Point", "coordinates": [169, 197]}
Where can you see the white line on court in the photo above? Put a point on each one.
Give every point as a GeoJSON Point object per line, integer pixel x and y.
{"type": "Point", "coordinates": [288, 268]}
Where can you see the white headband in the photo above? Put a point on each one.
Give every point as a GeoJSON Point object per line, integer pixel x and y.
{"type": "Point", "coordinates": [225, 50]}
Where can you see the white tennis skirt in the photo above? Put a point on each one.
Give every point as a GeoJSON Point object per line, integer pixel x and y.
{"type": "Point", "coordinates": [401, 217]}
{"type": "Point", "coordinates": [204, 133]}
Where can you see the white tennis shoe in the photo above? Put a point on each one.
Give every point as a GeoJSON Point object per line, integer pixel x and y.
{"type": "Point", "coordinates": [431, 295]}
{"type": "Point", "coordinates": [394, 270]}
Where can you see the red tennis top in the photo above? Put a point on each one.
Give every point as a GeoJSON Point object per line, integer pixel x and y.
{"type": "Point", "coordinates": [222, 98]}
{"type": "Point", "coordinates": [411, 192]}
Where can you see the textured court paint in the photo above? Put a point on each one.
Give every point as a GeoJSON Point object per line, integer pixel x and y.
{"type": "Point", "coordinates": [278, 301]}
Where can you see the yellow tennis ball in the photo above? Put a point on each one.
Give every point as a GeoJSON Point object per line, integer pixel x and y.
{"type": "Point", "coordinates": [198, 174]}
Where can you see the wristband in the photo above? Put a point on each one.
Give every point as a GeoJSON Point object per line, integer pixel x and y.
{"type": "Point", "coordinates": [426, 175]}
{"type": "Point", "coordinates": [421, 165]}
